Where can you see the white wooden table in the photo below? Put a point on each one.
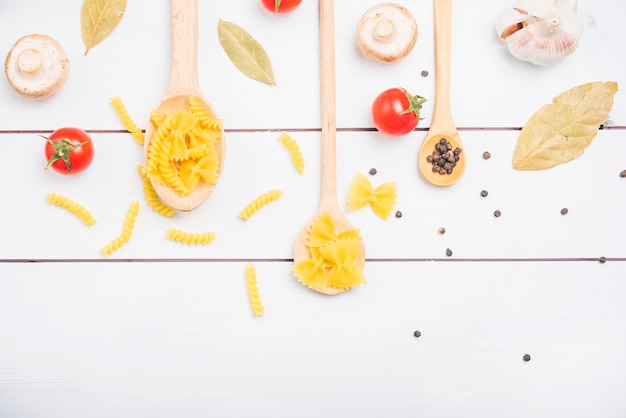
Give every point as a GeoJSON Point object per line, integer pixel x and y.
{"type": "Point", "coordinates": [159, 329]}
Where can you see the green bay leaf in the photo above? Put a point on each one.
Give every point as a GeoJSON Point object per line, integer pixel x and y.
{"type": "Point", "coordinates": [245, 52]}
{"type": "Point", "coordinates": [561, 131]}
{"type": "Point", "coordinates": [98, 18]}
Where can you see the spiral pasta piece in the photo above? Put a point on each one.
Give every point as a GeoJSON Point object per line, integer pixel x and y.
{"type": "Point", "coordinates": [127, 231]}
{"type": "Point", "coordinates": [191, 238]}
{"type": "Point", "coordinates": [253, 291]}
{"type": "Point", "coordinates": [207, 121]}
{"type": "Point", "coordinates": [259, 202]}
{"type": "Point", "coordinates": [294, 151]}
{"type": "Point", "coordinates": [72, 206]}
{"type": "Point", "coordinates": [152, 198]}
{"type": "Point", "coordinates": [128, 123]}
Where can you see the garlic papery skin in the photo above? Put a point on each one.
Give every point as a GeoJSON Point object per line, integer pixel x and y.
{"type": "Point", "coordinates": [541, 31]}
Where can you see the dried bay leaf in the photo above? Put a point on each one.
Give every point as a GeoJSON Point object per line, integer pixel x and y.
{"type": "Point", "coordinates": [245, 52]}
{"type": "Point", "coordinates": [561, 131]}
{"type": "Point", "coordinates": [98, 18]}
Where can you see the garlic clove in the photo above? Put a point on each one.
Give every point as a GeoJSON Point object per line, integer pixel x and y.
{"type": "Point", "coordinates": [540, 31]}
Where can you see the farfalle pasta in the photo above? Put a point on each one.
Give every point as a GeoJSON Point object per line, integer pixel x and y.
{"type": "Point", "coordinates": [381, 199]}
{"type": "Point", "coordinates": [127, 231]}
{"type": "Point", "coordinates": [253, 291]}
{"type": "Point", "coordinates": [152, 198]}
{"type": "Point", "coordinates": [191, 238]}
{"type": "Point", "coordinates": [128, 123]}
{"type": "Point", "coordinates": [294, 151]}
{"type": "Point", "coordinates": [182, 151]}
{"type": "Point", "coordinates": [72, 206]}
{"type": "Point", "coordinates": [334, 257]}
{"type": "Point", "coordinates": [259, 202]}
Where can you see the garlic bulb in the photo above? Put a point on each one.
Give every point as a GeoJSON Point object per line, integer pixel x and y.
{"type": "Point", "coordinates": [541, 31]}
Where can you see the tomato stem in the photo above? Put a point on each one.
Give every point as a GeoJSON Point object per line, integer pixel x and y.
{"type": "Point", "coordinates": [276, 5]}
{"type": "Point", "coordinates": [415, 104]}
{"type": "Point", "coordinates": [62, 150]}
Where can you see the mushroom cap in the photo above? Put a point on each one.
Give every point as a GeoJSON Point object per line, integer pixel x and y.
{"type": "Point", "coordinates": [387, 32]}
{"type": "Point", "coordinates": [36, 66]}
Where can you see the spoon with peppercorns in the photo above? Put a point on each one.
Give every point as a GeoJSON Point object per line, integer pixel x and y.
{"type": "Point", "coordinates": [328, 199]}
{"type": "Point", "coordinates": [440, 158]}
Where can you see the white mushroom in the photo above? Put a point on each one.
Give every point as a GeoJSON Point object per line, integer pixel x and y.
{"type": "Point", "coordinates": [387, 32]}
{"type": "Point", "coordinates": [540, 31]}
{"type": "Point", "coordinates": [36, 66]}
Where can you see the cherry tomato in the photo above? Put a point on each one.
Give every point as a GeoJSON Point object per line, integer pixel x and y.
{"type": "Point", "coordinates": [281, 6]}
{"type": "Point", "coordinates": [395, 112]}
{"type": "Point", "coordinates": [69, 150]}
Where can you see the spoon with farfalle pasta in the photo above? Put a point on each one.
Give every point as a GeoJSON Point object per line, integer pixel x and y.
{"type": "Point", "coordinates": [184, 144]}
{"type": "Point", "coordinates": [329, 254]}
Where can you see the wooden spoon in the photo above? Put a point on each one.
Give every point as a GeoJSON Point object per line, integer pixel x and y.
{"type": "Point", "coordinates": [328, 199]}
{"type": "Point", "coordinates": [182, 85]}
{"type": "Point", "coordinates": [442, 125]}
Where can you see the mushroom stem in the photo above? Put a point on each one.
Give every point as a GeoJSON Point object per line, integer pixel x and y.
{"type": "Point", "coordinates": [29, 61]}
{"type": "Point", "coordinates": [554, 23]}
{"type": "Point", "coordinates": [384, 29]}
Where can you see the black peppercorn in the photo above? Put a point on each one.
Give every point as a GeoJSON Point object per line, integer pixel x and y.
{"type": "Point", "coordinates": [442, 230]}
{"type": "Point", "coordinates": [526, 357]}
{"type": "Point", "coordinates": [448, 252]}
{"type": "Point", "coordinates": [398, 214]}
{"type": "Point", "coordinates": [373, 171]}
{"type": "Point", "coordinates": [622, 173]}
{"type": "Point", "coordinates": [417, 334]}
{"type": "Point", "coordinates": [564, 211]}
{"type": "Point", "coordinates": [497, 213]}
{"type": "Point", "coordinates": [486, 155]}
{"type": "Point", "coordinates": [424, 73]}
{"type": "Point", "coordinates": [484, 193]}
{"type": "Point", "coordinates": [602, 260]}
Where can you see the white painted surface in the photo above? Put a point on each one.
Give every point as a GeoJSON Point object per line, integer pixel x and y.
{"type": "Point", "coordinates": [164, 330]}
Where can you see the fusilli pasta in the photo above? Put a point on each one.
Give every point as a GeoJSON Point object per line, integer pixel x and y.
{"type": "Point", "coordinates": [259, 202]}
{"type": "Point", "coordinates": [127, 231]}
{"type": "Point", "coordinates": [152, 198]}
{"type": "Point", "coordinates": [192, 238]}
{"type": "Point", "coordinates": [72, 206]}
{"type": "Point", "coordinates": [253, 291]}
{"type": "Point", "coordinates": [128, 123]}
{"type": "Point", "coordinates": [294, 151]}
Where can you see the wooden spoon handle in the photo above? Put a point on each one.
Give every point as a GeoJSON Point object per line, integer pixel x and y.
{"type": "Point", "coordinates": [443, 45]}
{"type": "Point", "coordinates": [184, 74]}
{"type": "Point", "coordinates": [329, 118]}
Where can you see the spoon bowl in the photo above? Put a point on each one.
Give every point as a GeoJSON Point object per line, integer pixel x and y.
{"type": "Point", "coordinates": [443, 124]}
{"type": "Point", "coordinates": [328, 199]}
{"type": "Point", "coordinates": [184, 84]}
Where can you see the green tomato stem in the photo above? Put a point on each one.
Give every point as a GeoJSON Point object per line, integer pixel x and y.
{"type": "Point", "coordinates": [415, 104]}
{"type": "Point", "coordinates": [62, 150]}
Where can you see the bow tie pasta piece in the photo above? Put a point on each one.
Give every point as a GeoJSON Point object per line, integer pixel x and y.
{"type": "Point", "coordinates": [323, 231]}
{"type": "Point", "coordinates": [381, 199]}
{"type": "Point", "coordinates": [344, 273]}
{"type": "Point", "coordinates": [333, 261]}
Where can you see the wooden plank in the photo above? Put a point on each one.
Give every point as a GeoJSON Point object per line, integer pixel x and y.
{"type": "Point", "coordinates": [154, 338]}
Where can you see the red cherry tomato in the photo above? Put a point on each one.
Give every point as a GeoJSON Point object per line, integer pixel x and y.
{"type": "Point", "coordinates": [395, 112]}
{"type": "Point", "coordinates": [281, 6]}
{"type": "Point", "coordinates": [69, 150]}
